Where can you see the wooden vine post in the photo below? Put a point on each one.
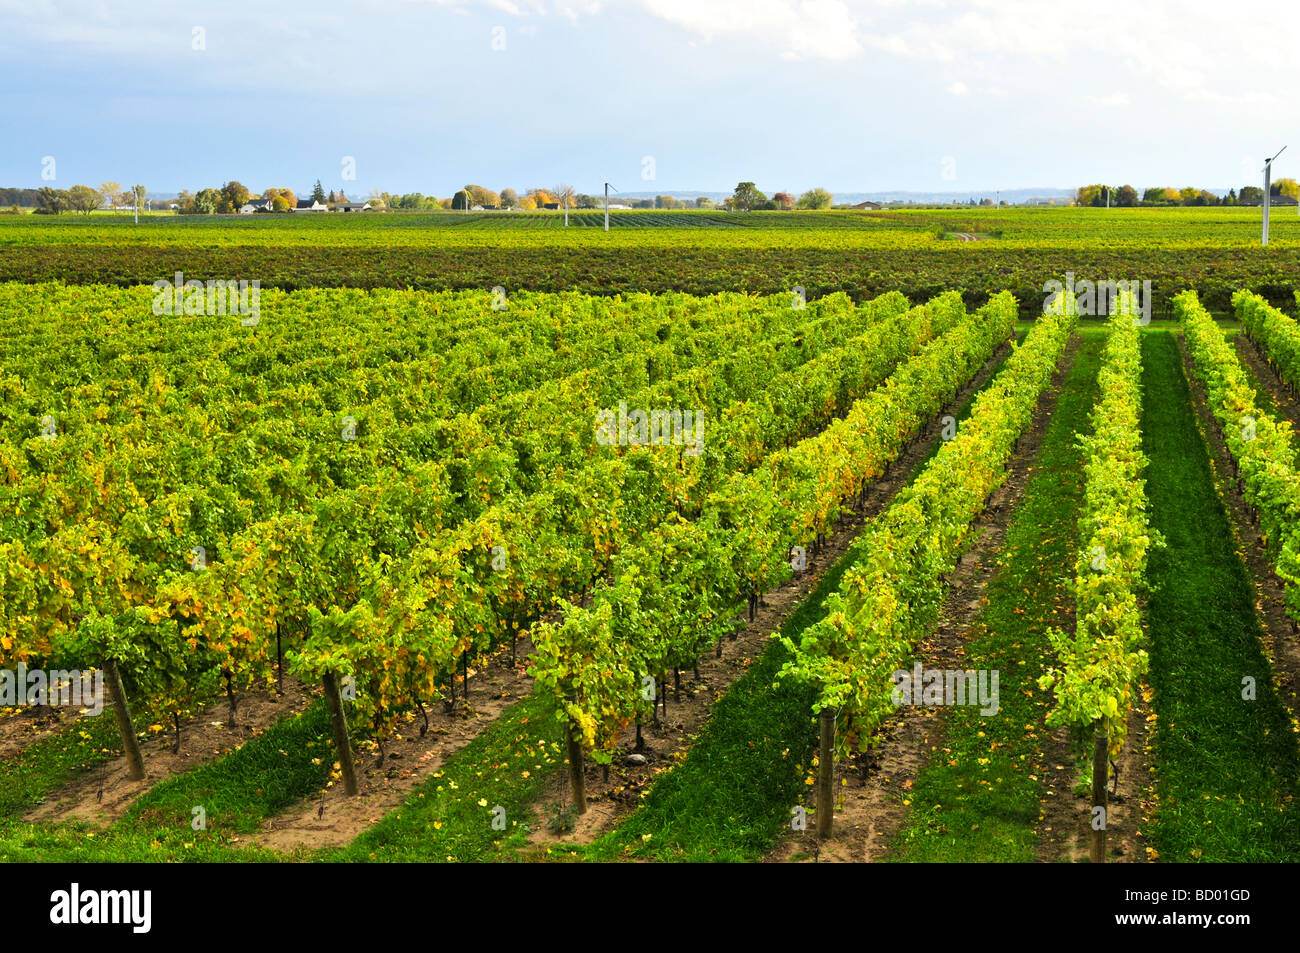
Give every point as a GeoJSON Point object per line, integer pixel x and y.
{"type": "Point", "coordinates": [826, 774]}
{"type": "Point", "coordinates": [577, 777]}
{"type": "Point", "coordinates": [340, 724]}
{"type": "Point", "coordinates": [130, 744]}
{"type": "Point", "coordinates": [1100, 766]}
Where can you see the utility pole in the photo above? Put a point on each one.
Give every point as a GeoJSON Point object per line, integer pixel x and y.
{"type": "Point", "coordinates": [1268, 184]}
{"type": "Point", "coordinates": [607, 188]}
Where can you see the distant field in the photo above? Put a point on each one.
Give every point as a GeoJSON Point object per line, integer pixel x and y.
{"type": "Point", "coordinates": [1214, 250]}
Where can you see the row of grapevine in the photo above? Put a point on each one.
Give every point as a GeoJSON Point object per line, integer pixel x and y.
{"type": "Point", "coordinates": [1261, 447]}
{"type": "Point", "coordinates": [1099, 665]}
{"type": "Point", "coordinates": [677, 592]}
{"type": "Point", "coordinates": [1277, 334]}
{"type": "Point", "coordinates": [891, 596]}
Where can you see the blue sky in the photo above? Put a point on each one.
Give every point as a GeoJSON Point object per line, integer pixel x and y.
{"type": "Point", "coordinates": [427, 95]}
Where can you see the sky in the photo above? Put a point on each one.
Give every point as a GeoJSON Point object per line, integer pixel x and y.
{"type": "Point", "coordinates": [649, 95]}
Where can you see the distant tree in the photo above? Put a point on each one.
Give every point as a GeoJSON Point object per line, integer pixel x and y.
{"type": "Point", "coordinates": [111, 191]}
{"type": "Point", "coordinates": [290, 200]}
{"type": "Point", "coordinates": [815, 199]}
{"type": "Point", "coordinates": [703, 201]}
{"type": "Point", "coordinates": [1188, 195]}
{"type": "Point", "coordinates": [139, 197]}
{"type": "Point", "coordinates": [461, 201]}
{"type": "Point", "coordinates": [185, 202]}
{"type": "Point", "coordinates": [644, 203]}
{"type": "Point", "coordinates": [318, 193]}
{"type": "Point", "coordinates": [1231, 197]}
{"type": "Point", "coordinates": [23, 198]}
{"type": "Point", "coordinates": [1287, 187]}
{"type": "Point", "coordinates": [233, 195]}
{"type": "Point", "coordinates": [482, 196]}
{"type": "Point", "coordinates": [784, 200]}
{"type": "Point", "coordinates": [51, 201]}
{"type": "Point", "coordinates": [1250, 195]}
{"type": "Point", "coordinates": [84, 199]}
{"type": "Point", "coordinates": [528, 203]}
{"type": "Point", "coordinates": [588, 201]}
{"type": "Point", "coordinates": [1155, 196]}
{"type": "Point", "coordinates": [207, 201]}
{"type": "Point", "coordinates": [332, 198]}
{"type": "Point", "coordinates": [1091, 195]}
{"type": "Point", "coordinates": [667, 201]}
{"type": "Point", "coordinates": [509, 198]}
{"type": "Point", "coordinates": [1126, 196]}
{"type": "Point", "coordinates": [747, 196]}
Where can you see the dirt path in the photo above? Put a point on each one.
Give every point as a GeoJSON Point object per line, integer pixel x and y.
{"type": "Point", "coordinates": [22, 727]}
{"type": "Point", "coordinates": [334, 819]}
{"type": "Point", "coordinates": [1063, 826]}
{"type": "Point", "coordinates": [102, 796]}
{"type": "Point", "coordinates": [871, 789]}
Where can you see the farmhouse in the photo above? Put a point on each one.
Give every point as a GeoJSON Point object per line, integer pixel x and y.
{"type": "Point", "coordinates": [352, 207]}
{"type": "Point", "coordinates": [1274, 201]}
{"type": "Point", "coordinates": [255, 205]}
{"type": "Point", "coordinates": [310, 205]}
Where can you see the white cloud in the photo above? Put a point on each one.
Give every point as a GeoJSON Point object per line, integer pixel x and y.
{"type": "Point", "coordinates": [1113, 101]}
{"type": "Point", "coordinates": [959, 88]}
{"type": "Point", "coordinates": [812, 29]}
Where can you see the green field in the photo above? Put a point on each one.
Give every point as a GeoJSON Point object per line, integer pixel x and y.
{"type": "Point", "coordinates": [1215, 250]}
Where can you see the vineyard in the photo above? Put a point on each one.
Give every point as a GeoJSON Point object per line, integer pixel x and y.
{"type": "Point", "coordinates": [716, 537]}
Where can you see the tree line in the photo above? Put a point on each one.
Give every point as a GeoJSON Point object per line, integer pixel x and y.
{"type": "Point", "coordinates": [1127, 197]}
{"type": "Point", "coordinates": [84, 198]}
